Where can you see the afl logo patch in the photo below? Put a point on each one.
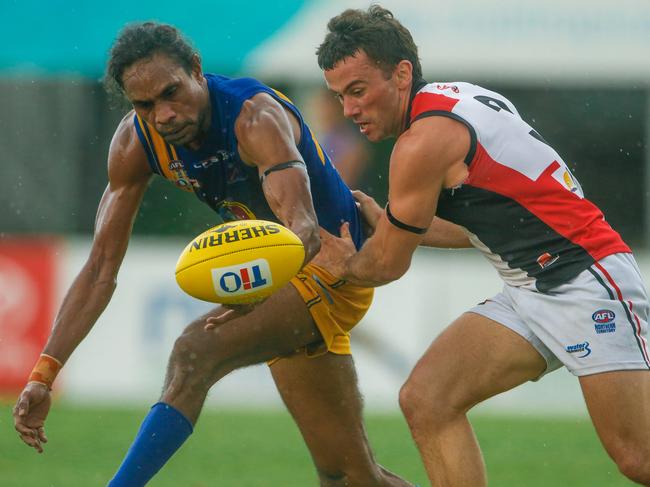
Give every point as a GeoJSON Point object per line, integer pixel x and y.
{"type": "Point", "coordinates": [604, 321]}
{"type": "Point", "coordinates": [603, 316]}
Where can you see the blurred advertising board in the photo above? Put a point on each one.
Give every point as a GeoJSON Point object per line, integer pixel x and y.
{"type": "Point", "coordinates": [124, 359]}
{"type": "Point", "coordinates": [28, 293]}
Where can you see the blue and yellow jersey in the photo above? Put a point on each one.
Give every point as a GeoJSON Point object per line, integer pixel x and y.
{"type": "Point", "coordinates": [217, 176]}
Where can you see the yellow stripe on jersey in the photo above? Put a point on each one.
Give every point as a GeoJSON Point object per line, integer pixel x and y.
{"type": "Point", "coordinates": [165, 154]}
{"type": "Point", "coordinates": [147, 136]}
{"type": "Point", "coordinates": [174, 154]}
{"type": "Point", "coordinates": [160, 146]}
{"type": "Point", "coordinates": [283, 96]}
{"type": "Point", "coordinates": [319, 149]}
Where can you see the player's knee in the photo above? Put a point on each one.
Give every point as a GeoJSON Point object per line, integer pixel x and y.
{"type": "Point", "coordinates": [417, 410]}
{"type": "Point", "coordinates": [417, 396]}
{"type": "Point", "coordinates": [422, 403]}
{"type": "Point", "coordinates": [191, 357]}
{"type": "Point", "coordinates": [633, 463]}
{"type": "Point", "coordinates": [408, 399]}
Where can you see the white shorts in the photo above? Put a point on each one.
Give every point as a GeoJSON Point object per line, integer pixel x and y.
{"type": "Point", "coordinates": [597, 322]}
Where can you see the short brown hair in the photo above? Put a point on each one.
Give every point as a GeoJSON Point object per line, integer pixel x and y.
{"type": "Point", "coordinates": [376, 32]}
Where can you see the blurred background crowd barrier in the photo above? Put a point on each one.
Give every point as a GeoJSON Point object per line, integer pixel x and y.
{"type": "Point", "coordinates": [579, 75]}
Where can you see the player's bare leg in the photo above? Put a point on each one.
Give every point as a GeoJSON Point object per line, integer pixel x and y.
{"type": "Point", "coordinates": [323, 397]}
{"type": "Point", "coordinates": [200, 358]}
{"type": "Point", "coordinates": [473, 359]}
{"type": "Point", "coordinates": [619, 405]}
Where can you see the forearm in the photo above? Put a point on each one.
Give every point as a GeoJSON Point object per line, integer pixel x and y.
{"type": "Point", "coordinates": [363, 270]}
{"type": "Point", "coordinates": [307, 232]}
{"type": "Point", "coordinates": [288, 194]}
{"type": "Point", "coordinates": [446, 235]}
{"type": "Point", "coordinates": [83, 304]}
{"type": "Point", "coordinates": [373, 266]}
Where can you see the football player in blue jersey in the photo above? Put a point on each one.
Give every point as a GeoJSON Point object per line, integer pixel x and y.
{"type": "Point", "coordinates": [245, 150]}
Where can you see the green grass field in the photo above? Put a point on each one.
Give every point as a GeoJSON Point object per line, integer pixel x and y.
{"type": "Point", "coordinates": [264, 449]}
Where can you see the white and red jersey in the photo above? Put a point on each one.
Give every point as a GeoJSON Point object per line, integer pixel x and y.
{"type": "Point", "coordinates": [520, 204]}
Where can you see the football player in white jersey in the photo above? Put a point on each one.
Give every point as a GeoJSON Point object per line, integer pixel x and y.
{"type": "Point", "coordinates": [466, 170]}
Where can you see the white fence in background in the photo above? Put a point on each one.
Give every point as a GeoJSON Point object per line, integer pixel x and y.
{"type": "Point", "coordinates": [124, 357]}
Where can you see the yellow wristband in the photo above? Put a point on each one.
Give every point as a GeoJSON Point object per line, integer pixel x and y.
{"type": "Point", "coordinates": [45, 370]}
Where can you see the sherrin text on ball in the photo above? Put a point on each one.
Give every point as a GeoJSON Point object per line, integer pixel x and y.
{"type": "Point", "coordinates": [239, 262]}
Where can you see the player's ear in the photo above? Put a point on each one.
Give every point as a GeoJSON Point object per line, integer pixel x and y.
{"type": "Point", "coordinates": [197, 70]}
{"type": "Point", "coordinates": [404, 73]}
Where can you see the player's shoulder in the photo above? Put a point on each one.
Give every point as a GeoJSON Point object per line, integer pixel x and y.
{"type": "Point", "coordinates": [454, 89]}
{"type": "Point", "coordinates": [438, 140]}
{"type": "Point", "coordinates": [427, 132]}
{"type": "Point", "coordinates": [445, 95]}
{"type": "Point", "coordinates": [126, 152]}
{"type": "Point", "coordinates": [458, 97]}
{"type": "Point", "coordinates": [240, 98]}
{"type": "Point", "coordinates": [238, 88]}
{"type": "Point", "coordinates": [125, 130]}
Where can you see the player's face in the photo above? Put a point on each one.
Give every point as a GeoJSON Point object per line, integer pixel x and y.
{"type": "Point", "coordinates": [175, 102]}
{"type": "Point", "coordinates": [371, 98]}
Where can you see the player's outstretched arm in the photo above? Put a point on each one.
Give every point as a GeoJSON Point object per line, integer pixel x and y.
{"type": "Point", "coordinates": [268, 136]}
{"type": "Point", "coordinates": [94, 285]}
{"type": "Point", "coordinates": [445, 235]}
{"type": "Point", "coordinates": [441, 233]}
{"type": "Point", "coordinates": [425, 158]}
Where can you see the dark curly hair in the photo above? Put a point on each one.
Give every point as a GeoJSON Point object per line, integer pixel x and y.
{"type": "Point", "coordinates": [141, 41]}
{"type": "Point", "coordinates": [376, 32]}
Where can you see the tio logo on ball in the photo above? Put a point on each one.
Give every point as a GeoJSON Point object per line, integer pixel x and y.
{"type": "Point", "coordinates": [245, 278]}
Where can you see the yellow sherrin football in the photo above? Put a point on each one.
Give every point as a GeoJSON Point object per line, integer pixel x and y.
{"type": "Point", "coordinates": [239, 262]}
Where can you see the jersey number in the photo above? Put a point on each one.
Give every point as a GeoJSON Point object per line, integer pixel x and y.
{"type": "Point", "coordinates": [499, 105]}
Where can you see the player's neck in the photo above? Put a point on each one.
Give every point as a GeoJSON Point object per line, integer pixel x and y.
{"type": "Point", "coordinates": [405, 110]}
{"type": "Point", "coordinates": [206, 122]}
{"type": "Point", "coordinates": [405, 103]}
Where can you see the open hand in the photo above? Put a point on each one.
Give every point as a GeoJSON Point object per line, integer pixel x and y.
{"type": "Point", "coordinates": [370, 211]}
{"type": "Point", "coordinates": [335, 252]}
{"type": "Point", "coordinates": [30, 412]}
{"type": "Point", "coordinates": [230, 312]}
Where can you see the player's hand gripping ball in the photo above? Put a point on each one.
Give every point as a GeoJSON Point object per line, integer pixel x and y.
{"type": "Point", "coordinates": [239, 262]}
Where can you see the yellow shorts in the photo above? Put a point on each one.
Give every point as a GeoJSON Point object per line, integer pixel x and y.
{"type": "Point", "coordinates": [335, 305]}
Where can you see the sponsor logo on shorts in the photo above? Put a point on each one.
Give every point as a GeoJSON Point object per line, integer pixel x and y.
{"type": "Point", "coordinates": [605, 327]}
{"type": "Point", "coordinates": [579, 348]}
{"type": "Point", "coordinates": [603, 316]}
{"type": "Point", "coordinates": [604, 321]}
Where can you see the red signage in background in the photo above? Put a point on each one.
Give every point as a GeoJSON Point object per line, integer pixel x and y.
{"type": "Point", "coordinates": [27, 299]}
